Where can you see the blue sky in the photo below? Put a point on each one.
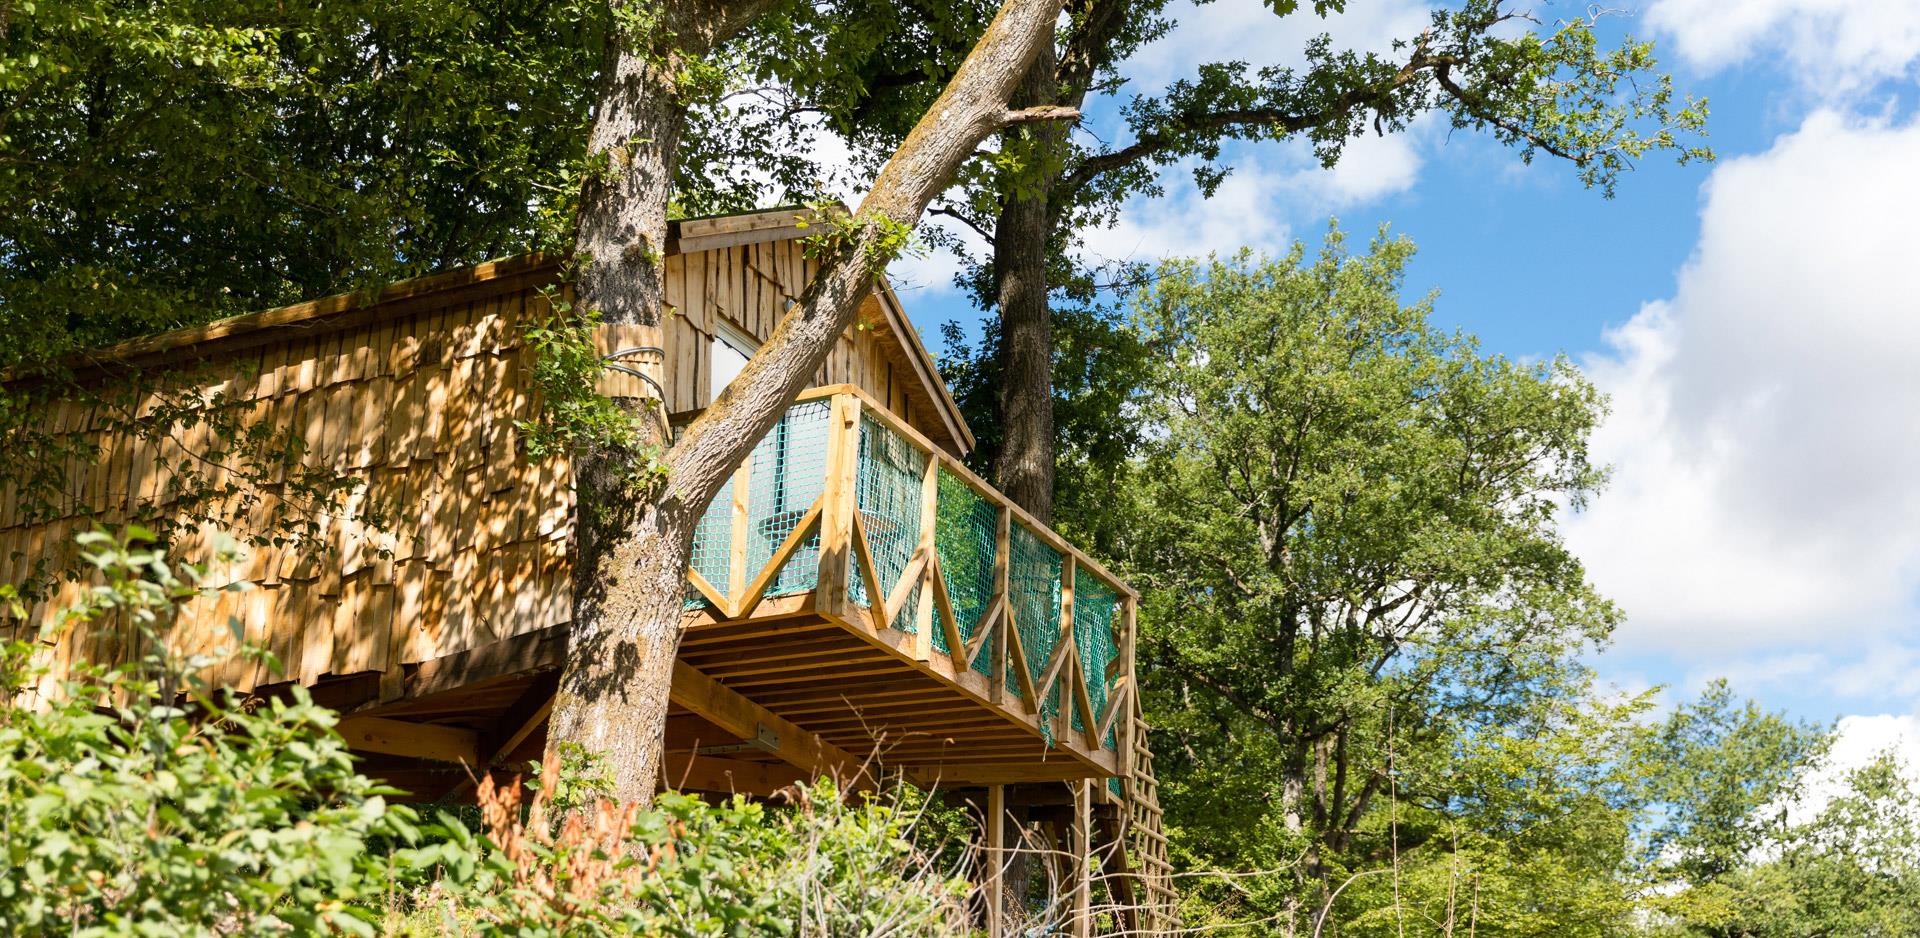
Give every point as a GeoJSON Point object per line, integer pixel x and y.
{"type": "Point", "coordinates": [1756, 322]}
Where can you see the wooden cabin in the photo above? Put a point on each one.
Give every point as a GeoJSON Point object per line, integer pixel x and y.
{"type": "Point", "coordinates": [856, 595]}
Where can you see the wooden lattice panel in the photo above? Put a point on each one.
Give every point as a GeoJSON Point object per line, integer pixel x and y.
{"type": "Point", "coordinates": [1147, 841]}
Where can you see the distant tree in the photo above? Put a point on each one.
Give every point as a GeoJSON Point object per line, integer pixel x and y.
{"type": "Point", "coordinates": [1344, 523]}
{"type": "Point", "coordinates": [1750, 832]}
{"type": "Point", "coordinates": [1852, 869]}
{"type": "Point", "coordinates": [1725, 773]}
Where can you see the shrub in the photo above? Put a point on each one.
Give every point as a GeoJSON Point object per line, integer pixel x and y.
{"type": "Point", "coordinates": [826, 866]}
{"type": "Point", "coordinates": [138, 802]}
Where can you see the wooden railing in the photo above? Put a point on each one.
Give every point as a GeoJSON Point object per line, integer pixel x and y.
{"type": "Point", "coordinates": [845, 501]}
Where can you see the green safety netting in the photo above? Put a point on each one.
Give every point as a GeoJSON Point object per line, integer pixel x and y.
{"type": "Point", "coordinates": [888, 486]}
{"type": "Point", "coordinates": [713, 546]}
{"type": "Point", "coordinates": [1033, 592]}
{"type": "Point", "coordinates": [788, 475]}
{"type": "Point", "coordinates": [1094, 606]}
{"type": "Point", "coordinates": [964, 540]}
{"type": "Point", "coordinates": [789, 471]}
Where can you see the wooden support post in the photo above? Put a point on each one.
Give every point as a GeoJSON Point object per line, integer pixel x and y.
{"type": "Point", "coordinates": [1081, 860]}
{"type": "Point", "coordinates": [923, 623]}
{"type": "Point", "coordinates": [1002, 547]}
{"type": "Point", "coordinates": [993, 887]}
{"type": "Point", "coordinates": [837, 506]}
{"type": "Point", "coordinates": [737, 553]}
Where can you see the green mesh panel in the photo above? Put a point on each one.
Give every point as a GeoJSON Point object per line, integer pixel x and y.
{"type": "Point", "coordinates": [965, 540]}
{"type": "Point", "coordinates": [789, 473]}
{"type": "Point", "coordinates": [713, 546]}
{"type": "Point", "coordinates": [1094, 606]}
{"type": "Point", "coordinates": [887, 488]}
{"type": "Point", "coordinates": [1033, 587]}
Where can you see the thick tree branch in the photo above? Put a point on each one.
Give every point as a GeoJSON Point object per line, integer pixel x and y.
{"type": "Point", "coordinates": [973, 105]}
{"type": "Point", "coordinates": [1280, 120]}
{"type": "Point", "coordinates": [1044, 113]}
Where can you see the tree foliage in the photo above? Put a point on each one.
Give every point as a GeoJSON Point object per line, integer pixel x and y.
{"type": "Point", "coordinates": [140, 802]}
{"type": "Point", "coordinates": [162, 164]}
{"type": "Point", "coordinates": [1344, 521]}
{"type": "Point", "coordinates": [1542, 86]}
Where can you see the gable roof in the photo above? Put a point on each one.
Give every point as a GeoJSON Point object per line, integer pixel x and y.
{"type": "Point", "coordinates": [348, 310]}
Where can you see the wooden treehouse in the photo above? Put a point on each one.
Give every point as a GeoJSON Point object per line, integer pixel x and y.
{"type": "Point", "coordinates": [858, 600]}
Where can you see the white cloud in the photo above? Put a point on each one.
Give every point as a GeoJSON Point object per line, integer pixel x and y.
{"type": "Point", "coordinates": [1835, 47]}
{"type": "Point", "coordinates": [930, 271]}
{"type": "Point", "coordinates": [1766, 423]}
{"type": "Point", "coordinates": [1271, 187]}
{"type": "Point", "coordinates": [1245, 211]}
{"type": "Point", "coordinates": [1370, 167]}
{"type": "Point", "coordinates": [1247, 31]}
{"type": "Point", "coordinates": [1858, 740]}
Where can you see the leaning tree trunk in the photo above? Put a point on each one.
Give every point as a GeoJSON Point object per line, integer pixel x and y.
{"type": "Point", "coordinates": [633, 546]}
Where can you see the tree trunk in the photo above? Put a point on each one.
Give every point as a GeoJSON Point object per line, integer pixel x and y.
{"type": "Point", "coordinates": [1025, 398]}
{"type": "Point", "coordinates": [626, 582]}
{"type": "Point", "coordinates": [632, 548]}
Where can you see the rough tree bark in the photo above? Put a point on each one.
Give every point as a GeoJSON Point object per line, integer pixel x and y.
{"type": "Point", "coordinates": [1023, 235]}
{"type": "Point", "coordinates": [619, 671]}
{"type": "Point", "coordinates": [1024, 470]}
{"type": "Point", "coordinates": [613, 691]}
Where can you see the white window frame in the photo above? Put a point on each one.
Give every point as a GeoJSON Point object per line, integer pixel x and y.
{"type": "Point", "coordinates": [737, 341]}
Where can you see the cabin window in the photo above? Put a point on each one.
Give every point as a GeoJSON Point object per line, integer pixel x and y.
{"type": "Point", "coordinates": [731, 349]}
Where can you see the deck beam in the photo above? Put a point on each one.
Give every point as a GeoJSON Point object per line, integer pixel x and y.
{"type": "Point", "coordinates": [709, 699]}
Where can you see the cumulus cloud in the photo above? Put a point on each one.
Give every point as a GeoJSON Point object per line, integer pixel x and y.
{"type": "Point", "coordinates": [1271, 188]}
{"type": "Point", "coordinates": [1835, 47]}
{"type": "Point", "coordinates": [1766, 422]}
{"type": "Point", "coordinates": [1244, 211]}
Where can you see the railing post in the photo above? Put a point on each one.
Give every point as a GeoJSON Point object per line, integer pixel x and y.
{"type": "Point", "coordinates": [737, 548]}
{"type": "Point", "coordinates": [923, 613]}
{"type": "Point", "coordinates": [1063, 718]}
{"type": "Point", "coordinates": [837, 506]}
{"type": "Point", "coordinates": [1123, 740]}
{"type": "Point", "coordinates": [997, 660]}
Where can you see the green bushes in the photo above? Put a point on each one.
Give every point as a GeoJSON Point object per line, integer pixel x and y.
{"type": "Point", "coordinates": [827, 867]}
{"type": "Point", "coordinates": [140, 802]}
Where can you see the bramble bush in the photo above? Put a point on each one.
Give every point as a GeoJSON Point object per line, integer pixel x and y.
{"type": "Point", "coordinates": [139, 801]}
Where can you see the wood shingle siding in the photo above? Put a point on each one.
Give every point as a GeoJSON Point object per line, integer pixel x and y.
{"type": "Point", "coordinates": [450, 538]}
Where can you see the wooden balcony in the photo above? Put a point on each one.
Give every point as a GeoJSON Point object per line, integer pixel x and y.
{"type": "Point", "coordinates": [859, 583]}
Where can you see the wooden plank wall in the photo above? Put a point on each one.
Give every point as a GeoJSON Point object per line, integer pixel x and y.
{"type": "Point", "coordinates": [452, 538]}
{"type": "Point", "coordinates": [418, 407]}
{"type": "Point", "coordinates": [751, 286]}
